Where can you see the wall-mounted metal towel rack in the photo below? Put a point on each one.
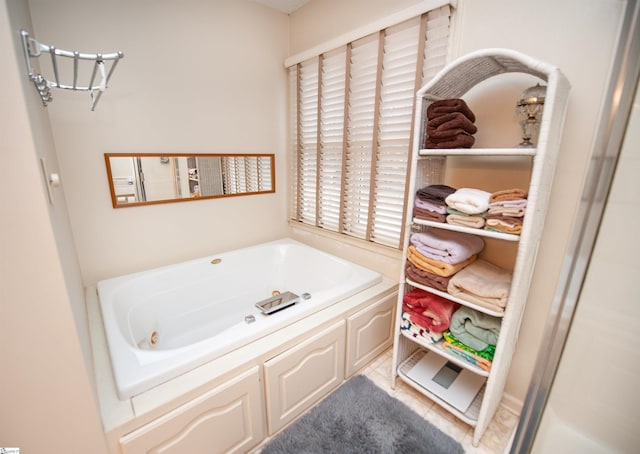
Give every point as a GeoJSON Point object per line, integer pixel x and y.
{"type": "Point", "coordinates": [101, 65]}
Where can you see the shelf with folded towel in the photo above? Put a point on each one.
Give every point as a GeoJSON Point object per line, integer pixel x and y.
{"type": "Point", "coordinates": [438, 347]}
{"type": "Point", "coordinates": [491, 291]}
{"type": "Point", "coordinates": [471, 230]}
{"type": "Point", "coordinates": [478, 152]}
{"type": "Point", "coordinates": [448, 296]}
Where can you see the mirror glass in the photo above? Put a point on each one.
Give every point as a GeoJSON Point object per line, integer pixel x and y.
{"type": "Point", "coordinates": [141, 179]}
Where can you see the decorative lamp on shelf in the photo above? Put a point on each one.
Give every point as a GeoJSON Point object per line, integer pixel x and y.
{"type": "Point", "coordinates": [529, 109]}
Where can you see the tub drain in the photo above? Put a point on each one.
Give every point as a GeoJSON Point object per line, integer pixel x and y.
{"type": "Point", "coordinates": [153, 339]}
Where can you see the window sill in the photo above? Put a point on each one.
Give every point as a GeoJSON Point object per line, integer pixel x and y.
{"type": "Point", "coordinates": [346, 240]}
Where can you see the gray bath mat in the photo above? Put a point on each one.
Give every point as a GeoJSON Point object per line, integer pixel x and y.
{"type": "Point", "coordinates": [359, 417]}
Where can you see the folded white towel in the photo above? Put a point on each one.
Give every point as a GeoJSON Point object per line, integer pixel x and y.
{"type": "Point", "coordinates": [469, 200]}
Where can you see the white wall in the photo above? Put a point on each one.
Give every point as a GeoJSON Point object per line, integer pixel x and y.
{"type": "Point", "coordinates": [592, 407]}
{"type": "Point", "coordinates": [45, 391]}
{"type": "Point", "coordinates": [580, 38]}
{"type": "Point", "coordinates": [198, 77]}
{"type": "Point", "coordinates": [577, 36]}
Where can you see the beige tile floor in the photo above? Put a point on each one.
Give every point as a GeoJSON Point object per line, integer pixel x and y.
{"type": "Point", "coordinates": [495, 439]}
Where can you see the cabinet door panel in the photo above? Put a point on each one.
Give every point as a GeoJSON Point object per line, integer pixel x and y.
{"type": "Point", "coordinates": [369, 333]}
{"type": "Point", "coordinates": [227, 419]}
{"type": "Point", "coordinates": [298, 378]}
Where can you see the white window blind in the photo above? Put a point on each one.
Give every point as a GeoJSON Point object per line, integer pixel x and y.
{"type": "Point", "coordinates": [352, 116]}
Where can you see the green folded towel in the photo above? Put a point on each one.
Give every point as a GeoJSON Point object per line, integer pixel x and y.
{"type": "Point", "coordinates": [475, 329]}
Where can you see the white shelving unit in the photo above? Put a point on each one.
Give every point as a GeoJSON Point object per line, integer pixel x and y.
{"type": "Point", "coordinates": [454, 81]}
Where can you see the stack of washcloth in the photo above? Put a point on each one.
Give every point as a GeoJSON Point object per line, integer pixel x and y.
{"type": "Point", "coordinates": [482, 283]}
{"type": "Point", "coordinates": [506, 211]}
{"type": "Point", "coordinates": [436, 255]}
{"type": "Point", "coordinates": [417, 331]}
{"type": "Point", "coordinates": [430, 202]}
{"type": "Point", "coordinates": [467, 207]}
{"type": "Point", "coordinates": [428, 311]}
{"type": "Point", "coordinates": [450, 124]}
{"type": "Point", "coordinates": [473, 335]}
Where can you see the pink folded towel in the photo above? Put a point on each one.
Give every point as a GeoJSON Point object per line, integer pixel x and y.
{"type": "Point", "coordinates": [431, 206]}
{"type": "Point", "coordinates": [430, 311]}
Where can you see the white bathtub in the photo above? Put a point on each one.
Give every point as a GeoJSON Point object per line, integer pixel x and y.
{"type": "Point", "coordinates": [163, 322]}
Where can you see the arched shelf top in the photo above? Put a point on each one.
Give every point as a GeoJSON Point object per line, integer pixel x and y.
{"type": "Point", "coordinates": [459, 76]}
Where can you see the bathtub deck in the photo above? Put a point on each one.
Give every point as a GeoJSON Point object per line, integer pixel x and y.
{"type": "Point", "coordinates": [122, 416]}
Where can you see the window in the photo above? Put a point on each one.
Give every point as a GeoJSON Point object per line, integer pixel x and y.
{"type": "Point", "coordinates": [352, 128]}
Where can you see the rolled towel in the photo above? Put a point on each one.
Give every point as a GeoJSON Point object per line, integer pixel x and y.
{"type": "Point", "coordinates": [427, 278]}
{"type": "Point", "coordinates": [465, 220]}
{"type": "Point", "coordinates": [447, 135]}
{"type": "Point", "coordinates": [428, 310]}
{"type": "Point", "coordinates": [449, 122]}
{"type": "Point", "coordinates": [482, 283]}
{"type": "Point", "coordinates": [446, 245]}
{"type": "Point", "coordinates": [436, 266]}
{"type": "Point", "coordinates": [427, 215]}
{"type": "Point", "coordinates": [459, 141]}
{"type": "Point", "coordinates": [504, 224]}
{"type": "Point", "coordinates": [475, 329]}
{"type": "Point", "coordinates": [515, 203]}
{"type": "Point", "coordinates": [469, 200]}
{"type": "Point", "coordinates": [508, 194]}
{"type": "Point", "coordinates": [435, 193]}
{"type": "Point", "coordinates": [431, 206]}
{"type": "Point", "coordinates": [515, 212]}
{"type": "Point", "coordinates": [445, 106]}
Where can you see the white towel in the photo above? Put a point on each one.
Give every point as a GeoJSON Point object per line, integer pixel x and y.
{"type": "Point", "coordinates": [469, 200]}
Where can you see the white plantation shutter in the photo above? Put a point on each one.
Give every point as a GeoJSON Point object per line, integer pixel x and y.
{"type": "Point", "coordinates": [307, 138]}
{"type": "Point", "coordinates": [293, 143]}
{"type": "Point", "coordinates": [352, 117]}
{"type": "Point", "coordinates": [332, 105]}
{"type": "Point", "coordinates": [360, 128]}
{"type": "Point", "coordinates": [436, 44]}
{"type": "Point", "coordinates": [398, 85]}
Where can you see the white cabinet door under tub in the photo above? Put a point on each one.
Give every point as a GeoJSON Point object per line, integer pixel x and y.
{"type": "Point", "coordinates": [226, 419]}
{"type": "Point", "coordinates": [301, 376]}
{"type": "Point", "coordinates": [369, 333]}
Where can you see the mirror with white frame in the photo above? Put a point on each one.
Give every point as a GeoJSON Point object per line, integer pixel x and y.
{"type": "Point", "coordinates": [142, 179]}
